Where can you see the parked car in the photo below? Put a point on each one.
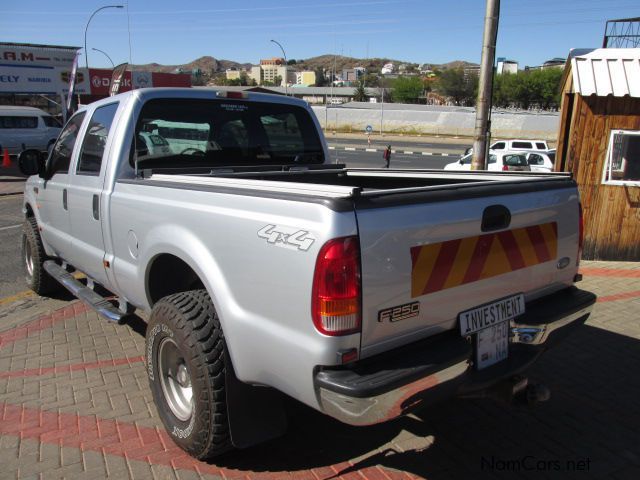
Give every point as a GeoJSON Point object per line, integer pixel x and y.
{"type": "Point", "coordinates": [267, 270]}
{"type": "Point", "coordinates": [501, 161]}
{"type": "Point", "coordinates": [537, 145]}
{"type": "Point", "coordinates": [23, 128]}
{"type": "Point", "coordinates": [541, 161]}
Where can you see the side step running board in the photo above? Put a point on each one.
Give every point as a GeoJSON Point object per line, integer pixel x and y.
{"type": "Point", "coordinates": [100, 304]}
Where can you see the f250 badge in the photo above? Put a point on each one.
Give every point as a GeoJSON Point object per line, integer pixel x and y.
{"type": "Point", "coordinates": [286, 237]}
{"type": "Point", "coordinates": [401, 312]}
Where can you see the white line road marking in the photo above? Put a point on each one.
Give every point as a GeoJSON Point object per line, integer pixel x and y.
{"type": "Point", "coordinates": [408, 153]}
{"type": "Point", "coordinates": [332, 148]}
{"type": "Point", "coordinates": [444, 154]}
{"type": "Point", "coordinates": [370, 150]}
{"type": "Point", "coordinates": [9, 227]}
{"type": "Point", "coordinates": [427, 153]}
{"type": "Point", "coordinates": [350, 149]}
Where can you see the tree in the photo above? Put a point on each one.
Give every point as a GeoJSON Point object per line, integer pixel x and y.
{"type": "Point", "coordinates": [460, 87]}
{"type": "Point", "coordinates": [407, 89]}
{"type": "Point", "coordinates": [320, 79]}
{"type": "Point", "coordinates": [360, 92]}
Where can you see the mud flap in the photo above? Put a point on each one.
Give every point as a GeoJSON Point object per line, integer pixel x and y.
{"type": "Point", "coordinates": [246, 405]}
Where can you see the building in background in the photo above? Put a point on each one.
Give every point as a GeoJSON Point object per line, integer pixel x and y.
{"type": "Point", "coordinates": [506, 66]}
{"type": "Point", "coordinates": [387, 68]}
{"type": "Point", "coordinates": [305, 78]}
{"type": "Point", "coordinates": [272, 69]}
{"type": "Point", "coordinates": [352, 75]}
{"type": "Point", "coordinates": [233, 74]}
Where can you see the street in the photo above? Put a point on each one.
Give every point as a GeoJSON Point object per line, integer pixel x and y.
{"type": "Point", "coordinates": [11, 270]}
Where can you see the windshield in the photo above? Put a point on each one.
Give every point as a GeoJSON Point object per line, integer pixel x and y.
{"type": "Point", "coordinates": [224, 133]}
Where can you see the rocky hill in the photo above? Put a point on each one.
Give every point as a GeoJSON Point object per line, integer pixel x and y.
{"type": "Point", "coordinates": [210, 65]}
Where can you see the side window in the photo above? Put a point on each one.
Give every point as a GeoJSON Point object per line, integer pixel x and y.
{"type": "Point", "coordinates": [492, 159]}
{"type": "Point", "coordinates": [525, 145]}
{"type": "Point", "coordinates": [95, 140]}
{"type": "Point", "coordinates": [18, 122]}
{"type": "Point", "coordinates": [535, 159]}
{"type": "Point", "coordinates": [541, 146]}
{"type": "Point", "coordinates": [62, 150]}
{"type": "Point", "coordinates": [498, 146]}
{"type": "Point", "coordinates": [51, 122]}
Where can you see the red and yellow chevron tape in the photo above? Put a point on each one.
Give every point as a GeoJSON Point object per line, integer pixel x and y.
{"type": "Point", "coordinates": [453, 263]}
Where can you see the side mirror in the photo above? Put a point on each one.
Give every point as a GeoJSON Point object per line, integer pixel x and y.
{"type": "Point", "coordinates": [460, 162]}
{"type": "Point", "coordinates": [31, 162]}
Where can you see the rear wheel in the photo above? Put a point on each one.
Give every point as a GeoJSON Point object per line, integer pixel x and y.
{"type": "Point", "coordinates": [34, 256]}
{"type": "Point", "coordinates": [186, 368]}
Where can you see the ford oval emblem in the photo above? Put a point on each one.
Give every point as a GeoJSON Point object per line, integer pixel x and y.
{"type": "Point", "coordinates": [563, 262]}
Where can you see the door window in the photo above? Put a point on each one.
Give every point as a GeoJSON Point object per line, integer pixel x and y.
{"type": "Point", "coordinates": [525, 145]}
{"type": "Point", "coordinates": [62, 150]}
{"type": "Point", "coordinates": [498, 146]}
{"type": "Point", "coordinates": [535, 159]}
{"type": "Point", "coordinates": [95, 140]}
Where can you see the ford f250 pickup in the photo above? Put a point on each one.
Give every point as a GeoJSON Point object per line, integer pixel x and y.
{"type": "Point", "coordinates": [268, 270]}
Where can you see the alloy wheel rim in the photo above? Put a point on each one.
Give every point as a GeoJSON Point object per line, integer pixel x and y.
{"type": "Point", "coordinates": [175, 379]}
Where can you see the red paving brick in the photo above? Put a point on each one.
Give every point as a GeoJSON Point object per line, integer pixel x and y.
{"type": "Point", "coordinates": [152, 446]}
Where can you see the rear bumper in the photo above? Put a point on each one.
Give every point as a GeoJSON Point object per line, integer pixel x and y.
{"type": "Point", "coordinates": [386, 386]}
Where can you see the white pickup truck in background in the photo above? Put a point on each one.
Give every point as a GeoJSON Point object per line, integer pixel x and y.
{"type": "Point", "coordinates": [267, 270]}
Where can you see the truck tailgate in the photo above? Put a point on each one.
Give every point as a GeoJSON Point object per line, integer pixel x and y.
{"type": "Point", "coordinates": [425, 262]}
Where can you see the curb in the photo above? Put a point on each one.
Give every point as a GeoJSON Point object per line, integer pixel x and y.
{"type": "Point", "coordinates": [404, 152]}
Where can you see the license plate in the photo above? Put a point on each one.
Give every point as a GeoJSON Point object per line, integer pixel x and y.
{"type": "Point", "coordinates": [492, 344]}
{"type": "Point", "coordinates": [486, 316]}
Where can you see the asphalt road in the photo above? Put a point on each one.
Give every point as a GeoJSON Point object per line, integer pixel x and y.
{"type": "Point", "coordinates": [11, 270]}
{"type": "Point", "coordinates": [363, 159]}
{"type": "Point", "coordinates": [442, 146]}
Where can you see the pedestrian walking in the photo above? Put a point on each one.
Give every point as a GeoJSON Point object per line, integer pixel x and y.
{"type": "Point", "coordinates": [387, 156]}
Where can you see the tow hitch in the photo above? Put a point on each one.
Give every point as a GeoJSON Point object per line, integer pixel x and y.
{"type": "Point", "coordinates": [515, 390]}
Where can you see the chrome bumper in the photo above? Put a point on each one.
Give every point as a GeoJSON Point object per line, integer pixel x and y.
{"type": "Point", "coordinates": [380, 389]}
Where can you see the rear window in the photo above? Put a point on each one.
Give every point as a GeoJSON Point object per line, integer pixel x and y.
{"type": "Point", "coordinates": [515, 160]}
{"type": "Point", "coordinates": [18, 122]}
{"type": "Point", "coordinates": [217, 133]}
{"type": "Point", "coordinates": [522, 145]}
{"type": "Point", "coordinates": [541, 146]}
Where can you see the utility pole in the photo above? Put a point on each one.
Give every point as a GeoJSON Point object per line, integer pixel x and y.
{"type": "Point", "coordinates": [485, 86]}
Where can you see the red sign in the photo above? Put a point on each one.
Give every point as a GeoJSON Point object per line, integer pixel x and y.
{"type": "Point", "coordinates": [100, 80]}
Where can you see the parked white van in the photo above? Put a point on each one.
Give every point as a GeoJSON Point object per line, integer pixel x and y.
{"type": "Point", "coordinates": [26, 128]}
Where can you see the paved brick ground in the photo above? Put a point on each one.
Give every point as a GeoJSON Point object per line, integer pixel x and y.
{"type": "Point", "coordinates": [75, 403]}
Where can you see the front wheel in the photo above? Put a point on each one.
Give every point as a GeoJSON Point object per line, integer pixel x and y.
{"type": "Point", "coordinates": [186, 368]}
{"type": "Point", "coordinates": [34, 256]}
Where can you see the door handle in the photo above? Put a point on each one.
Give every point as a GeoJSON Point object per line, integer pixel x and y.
{"type": "Point", "coordinates": [64, 199]}
{"type": "Point", "coordinates": [96, 207]}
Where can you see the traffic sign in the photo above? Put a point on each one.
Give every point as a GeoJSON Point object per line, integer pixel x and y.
{"type": "Point", "coordinates": [369, 129]}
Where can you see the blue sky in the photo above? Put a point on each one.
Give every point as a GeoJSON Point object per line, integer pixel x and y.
{"type": "Point", "coordinates": [434, 31]}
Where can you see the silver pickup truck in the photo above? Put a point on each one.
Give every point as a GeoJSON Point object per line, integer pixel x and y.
{"type": "Point", "coordinates": [267, 270]}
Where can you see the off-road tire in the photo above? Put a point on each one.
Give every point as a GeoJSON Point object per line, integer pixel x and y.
{"type": "Point", "coordinates": [33, 253]}
{"type": "Point", "coordinates": [188, 322]}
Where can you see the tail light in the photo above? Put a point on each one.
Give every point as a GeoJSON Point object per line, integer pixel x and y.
{"type": "Point", "coordinates": [505, 168]}
{"type": "Point", "coordinates": [335, 304]}
{"type": "Point", "coordinates": [580, 234]}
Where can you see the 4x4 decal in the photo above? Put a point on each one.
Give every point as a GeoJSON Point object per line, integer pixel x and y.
{"type": "Point", "coordinates": [286, 237]}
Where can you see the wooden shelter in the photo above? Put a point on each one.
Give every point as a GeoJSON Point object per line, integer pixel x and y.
{"type": "Point", "coordinates": [599, 142]}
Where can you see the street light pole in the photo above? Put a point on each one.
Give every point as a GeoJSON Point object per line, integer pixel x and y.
{"type": "Point", "coordinates": [86, 53]}
{"type": "Point", "coordinates": [286, 67]}
{"type": "Point", "coordinates": [105, 54]}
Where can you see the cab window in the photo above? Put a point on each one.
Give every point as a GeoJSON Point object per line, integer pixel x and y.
{"type": "Point", "coordinates": [63, 149]}
{"type": "Point", "coordinates": [95, 140]}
